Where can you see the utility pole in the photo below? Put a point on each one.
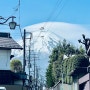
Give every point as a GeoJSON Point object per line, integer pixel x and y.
{"type": "Point", "coordinates": [25, 52]}
{"type": "Point", "coordinates": [34, 73]}
{"type": "Point", "coordinates": [41, 82]}
{"type": "Point", "coordinates": [24, 48]}
{"type": "Point", "coordinates": [24, 44]}
{"type": "Point", "coordinates": [37, 76]}
{"type": "Point", "coordinates": [29, 64]}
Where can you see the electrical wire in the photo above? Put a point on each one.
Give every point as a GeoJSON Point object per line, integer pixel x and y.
{"type": "Point", "coordinates": [58, 3]}
{"type": "Point", "coordinates": [51, 15]}
{"type": "Point", "coordinates": [65, 2]}
{"type": "Point", "coordinates": [60, 6]}
{"type": "Point", "coordinates": [19, 21]}
{"type": "Point", "coordinates": [17, 9]}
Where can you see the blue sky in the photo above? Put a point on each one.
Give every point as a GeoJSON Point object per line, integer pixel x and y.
{"type": "Point", "coordinates": [38, 11]}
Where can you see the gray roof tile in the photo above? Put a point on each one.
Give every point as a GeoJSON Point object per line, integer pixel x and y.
{"type": "Point", "coordinates": [9, 43]}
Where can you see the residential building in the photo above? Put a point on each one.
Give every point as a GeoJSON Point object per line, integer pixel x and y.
{"type": "Point", "coordinates": [8, 79]}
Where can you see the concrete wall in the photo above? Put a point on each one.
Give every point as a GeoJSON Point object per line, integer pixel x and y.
{"type": "Point", "coordinates": [60, 86]}
{"type": "Point", "coordinates": [5, 59]}
{"type": "Point", "coordinates": [14, 87]}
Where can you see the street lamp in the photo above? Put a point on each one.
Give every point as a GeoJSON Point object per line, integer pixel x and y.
{"type": "Point", "coordinates": [12, 24]}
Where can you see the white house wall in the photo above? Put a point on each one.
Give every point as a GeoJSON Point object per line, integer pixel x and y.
{"type": "Point", "coordinates": [5, 59]}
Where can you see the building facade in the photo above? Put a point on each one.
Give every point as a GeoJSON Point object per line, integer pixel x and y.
{"type": "Point", "coordinates": [9, 80]}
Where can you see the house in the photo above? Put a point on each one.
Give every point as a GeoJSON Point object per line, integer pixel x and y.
{"type": "Point", "coordinates": [8, 79]}
{"type": "Point", "coordinates": [80, 78]}
{"type": "Point", "coordinates": [84, 82]}
{"type": "Point", "coordinates": [6, 44]}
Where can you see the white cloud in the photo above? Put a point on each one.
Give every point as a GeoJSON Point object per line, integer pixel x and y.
{"type": "Point", "coordinates": [71, 32]}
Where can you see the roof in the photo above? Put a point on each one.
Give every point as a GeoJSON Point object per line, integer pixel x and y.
{"type": "Point", "coordinates": [6, 42]}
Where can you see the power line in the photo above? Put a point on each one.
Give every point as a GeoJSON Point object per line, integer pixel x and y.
{"type": "Point", "coordinates": [61, 9]}
{"type": "Point", "coordinates": [59, 2]}
{"type": "Point", "coordinates": [60, 5]}
{"type": "Point", "coordinates": [19, 21]}
{"type": "Point", "coordinates": [57, 5]}
{"type": "Point", "coordinates": [17, 9]}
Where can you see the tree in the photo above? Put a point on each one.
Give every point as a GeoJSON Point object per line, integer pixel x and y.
{"type": "Point", "coordinates": [80, 51]}
{"type": "Point", "coordinates": [57, 58]}
{"type": "Point", "coordinates": [79, 61]}
{"type": "Point", "coordinates": [16, 65]}
{"type": "Point", "coordinates": [75, 63]}
{"type": "Point", "coordinates": [49, 77]}
{"type": "Point", "coordinates": [59, 65]}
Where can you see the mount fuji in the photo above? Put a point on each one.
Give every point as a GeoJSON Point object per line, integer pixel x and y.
{"type": "Point", "coordinates": [45, 36]}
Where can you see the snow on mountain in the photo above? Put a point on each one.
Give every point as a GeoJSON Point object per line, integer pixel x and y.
{"type": "Point", "coordinates": [45, 36]}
